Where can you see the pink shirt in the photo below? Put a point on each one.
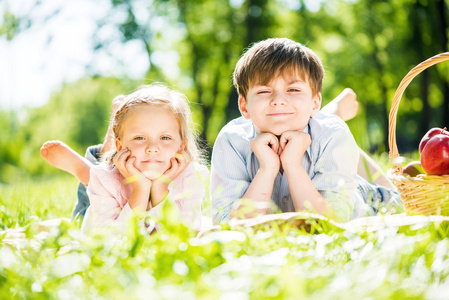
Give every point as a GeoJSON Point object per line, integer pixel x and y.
{"type": "Point", "coordinates": [109, 197]}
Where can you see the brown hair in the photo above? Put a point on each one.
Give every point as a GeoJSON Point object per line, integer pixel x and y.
{"type": "Point", "coordinates": [270, 58]}
{"type": "Point", "coordinates": [161, 96]}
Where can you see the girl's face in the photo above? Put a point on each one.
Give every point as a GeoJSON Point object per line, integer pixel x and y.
{"type": "Point", "coordinates": [151, 133]}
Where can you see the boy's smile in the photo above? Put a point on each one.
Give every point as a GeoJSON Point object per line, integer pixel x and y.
{"type": "Point", "coordinates": [285, 103]}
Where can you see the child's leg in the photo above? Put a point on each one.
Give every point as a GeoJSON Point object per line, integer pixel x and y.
{"type": "Point", "coordinates": [344, 105]}
{"type": "Point", "coordinates": [65, 158]}
{"type": "Point", "coordinates": [372, 172]}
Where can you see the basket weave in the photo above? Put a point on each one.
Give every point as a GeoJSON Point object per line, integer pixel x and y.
{"type": "Point", "coordinates": [423, 194]}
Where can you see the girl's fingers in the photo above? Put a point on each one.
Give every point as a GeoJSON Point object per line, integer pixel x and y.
{"type": "Point", "coordinates": [121, 156]}
{"type": "Point", "coordinates": [174, 163]}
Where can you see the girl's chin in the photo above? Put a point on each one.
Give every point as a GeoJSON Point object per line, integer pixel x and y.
{"type": "Point", "coordinates": [153, 174]}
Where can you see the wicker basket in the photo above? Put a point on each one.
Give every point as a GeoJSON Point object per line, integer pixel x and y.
{"type": "Point", "coordinates": [423, 194]}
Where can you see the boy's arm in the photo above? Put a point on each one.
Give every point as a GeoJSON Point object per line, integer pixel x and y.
{"type": "Point", "coordinates": [231, 174]}
{"type": "Point", "coordinates": [257, 197]}
{"type": "Point", "coordinates": [229, 177]}
{"type": "Point", "coordinates": [302, 190]}
{"type": "Point", "coordinates": [335, 171]}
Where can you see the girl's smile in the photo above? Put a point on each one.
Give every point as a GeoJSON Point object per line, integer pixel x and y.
{"type": "Point", "coordinates": [152, 135]}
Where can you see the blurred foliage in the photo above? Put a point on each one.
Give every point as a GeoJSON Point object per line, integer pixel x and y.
{"type": "Point", "coordinates": [78, 115]}
{"type": "Point", "coordinates": [53, 260]}
{"type": "Point", "coordinates": [367, 45]}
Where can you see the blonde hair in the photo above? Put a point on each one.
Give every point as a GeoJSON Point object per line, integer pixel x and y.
{"type": "Point", "coordinates": [270, 58]}
{"type": "Point", "coordinates": [161, 96]}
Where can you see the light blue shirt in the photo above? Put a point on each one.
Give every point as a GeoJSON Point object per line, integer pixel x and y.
{"type": "Point", "coordinates": [331, 162]}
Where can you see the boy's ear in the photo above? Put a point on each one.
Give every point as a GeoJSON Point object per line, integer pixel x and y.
{"type": "Point", "coordinates": [316, 104]}
{"type": "Point", "coordinates": [243, 107]}
{"type": "Point", "coordinates": [118, 145]}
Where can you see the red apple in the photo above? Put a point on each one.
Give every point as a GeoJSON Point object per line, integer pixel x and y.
{"type": "Point", "coordinates": [435, 155]}
{"type": "Point", "coordinates": [430, 134]}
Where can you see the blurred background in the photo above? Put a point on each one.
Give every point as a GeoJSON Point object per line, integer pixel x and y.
{"type": "Point", "coordinates": [62, 63]}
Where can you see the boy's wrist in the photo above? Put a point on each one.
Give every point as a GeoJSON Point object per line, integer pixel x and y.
{"type": "Point", "coordinates": [292, 167]}
{"type": "Point", "coordinates": [269, 172]}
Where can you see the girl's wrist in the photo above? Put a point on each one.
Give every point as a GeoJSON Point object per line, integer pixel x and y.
{"type": "Point", "coordinates": [142, 188]}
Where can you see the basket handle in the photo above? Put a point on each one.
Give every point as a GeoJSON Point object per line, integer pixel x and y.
{"type": "Point", "coordinates": [397, 98]}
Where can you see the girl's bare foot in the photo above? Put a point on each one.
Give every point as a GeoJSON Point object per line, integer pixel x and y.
{"type": "Point", "coordinates": [65, 158]}
{"type": "Point", "coordinates": [109, 139]}
{"type": "Point", "coordinates": [344, 105]}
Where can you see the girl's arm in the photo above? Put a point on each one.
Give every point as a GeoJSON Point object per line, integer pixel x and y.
{"type": "Point", "coordinates": [159, 189]}
{"type": "Point", "coordinates": [108, 205]}
{"type": "Point", "coordinates": [141, 186]}
{"type": "Point", "coordinates": [187, 192]}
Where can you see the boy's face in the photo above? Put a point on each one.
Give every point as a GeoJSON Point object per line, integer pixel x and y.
{"type": "Point", "coordinates": [284, 104]}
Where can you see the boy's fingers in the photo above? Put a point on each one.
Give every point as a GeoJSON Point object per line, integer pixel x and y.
{"type": "Point", "coordinates": [272, 142]}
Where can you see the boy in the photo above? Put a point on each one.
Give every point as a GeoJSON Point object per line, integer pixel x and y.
{"type": "Point", "coordinates": [283, 149]}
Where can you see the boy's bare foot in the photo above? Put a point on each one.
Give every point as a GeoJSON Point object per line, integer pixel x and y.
{"type": "Point", "coordinates": [344, 105]}
{"type": "Point", "coordinates": [65, 158]}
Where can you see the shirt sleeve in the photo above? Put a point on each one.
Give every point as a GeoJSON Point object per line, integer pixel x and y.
{"type": "Point", "coordinates": [229, 176]}
{"type": "Point", "coordinates": [107, 207]}
{"type": "Point", "coordinates": [187, 192]}
{"type": "Point", "coordinates": [336, 169]}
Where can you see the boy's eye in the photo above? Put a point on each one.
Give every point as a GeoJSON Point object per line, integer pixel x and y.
{"type": "Point", "coordinates": [165, 138]}
{"type": "Point", "coordinates": [294, 90]}
{"type": "Point", "coordinates": [263, 92]}
{"type": "Point", "coordinates": [138, 138]}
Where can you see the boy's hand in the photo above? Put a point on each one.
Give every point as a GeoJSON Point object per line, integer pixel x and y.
{"type": "Point", "coordinates": [293, 145]}
{"type": "Point", "coordinates": [266, 147]}
{"type": "Point", "coordinates": [124, 162]}
{"type": "Point", "coordinates": [178, 165]}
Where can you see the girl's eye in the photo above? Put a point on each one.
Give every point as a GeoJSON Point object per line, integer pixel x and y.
{"type": "Point", "coordinates": [165, 138]}
{"type": "Point", "coordinates": [138, 138]}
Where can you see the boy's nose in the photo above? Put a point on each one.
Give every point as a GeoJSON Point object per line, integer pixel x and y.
{"type": "Point", "coordinates": [278, 99]}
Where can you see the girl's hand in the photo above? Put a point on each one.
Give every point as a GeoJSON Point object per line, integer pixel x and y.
{"type": "Point", "coordinates": [178, 165]}
{"type": "Point", "coordinates": [124, 162]}
{"type": "Point", "coordinates": [293, 145]}
{"type": "Point", "coordinates": [159, 189]}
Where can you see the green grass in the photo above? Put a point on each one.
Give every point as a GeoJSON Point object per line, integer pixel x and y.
{"type": "Point", "coordinates": [407, 262]}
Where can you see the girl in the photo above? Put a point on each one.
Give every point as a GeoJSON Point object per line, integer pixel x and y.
{"type": "Point", "coordinates": [153, 160]}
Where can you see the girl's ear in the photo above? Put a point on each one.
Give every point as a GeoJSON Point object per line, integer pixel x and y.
{"type": "Point", "coordinates": [243, 107]}
{"type": "Point", "coordinates": [183, 145]}
{"type": "Point", "coordinates": [118, 145]}
{"type": "Point", "coordinates": [316, 104]}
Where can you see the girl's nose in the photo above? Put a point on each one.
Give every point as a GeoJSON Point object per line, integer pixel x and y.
{"type": "Point", "coordinates": [152, 147]}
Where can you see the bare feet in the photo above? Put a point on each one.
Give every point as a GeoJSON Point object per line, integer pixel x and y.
{"type": "Point", "coordinates": [344, 105]}
{"type": "Point", "coordinates": [109, 139]}
{"type": "Point", "coordinates": [65, 158]}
